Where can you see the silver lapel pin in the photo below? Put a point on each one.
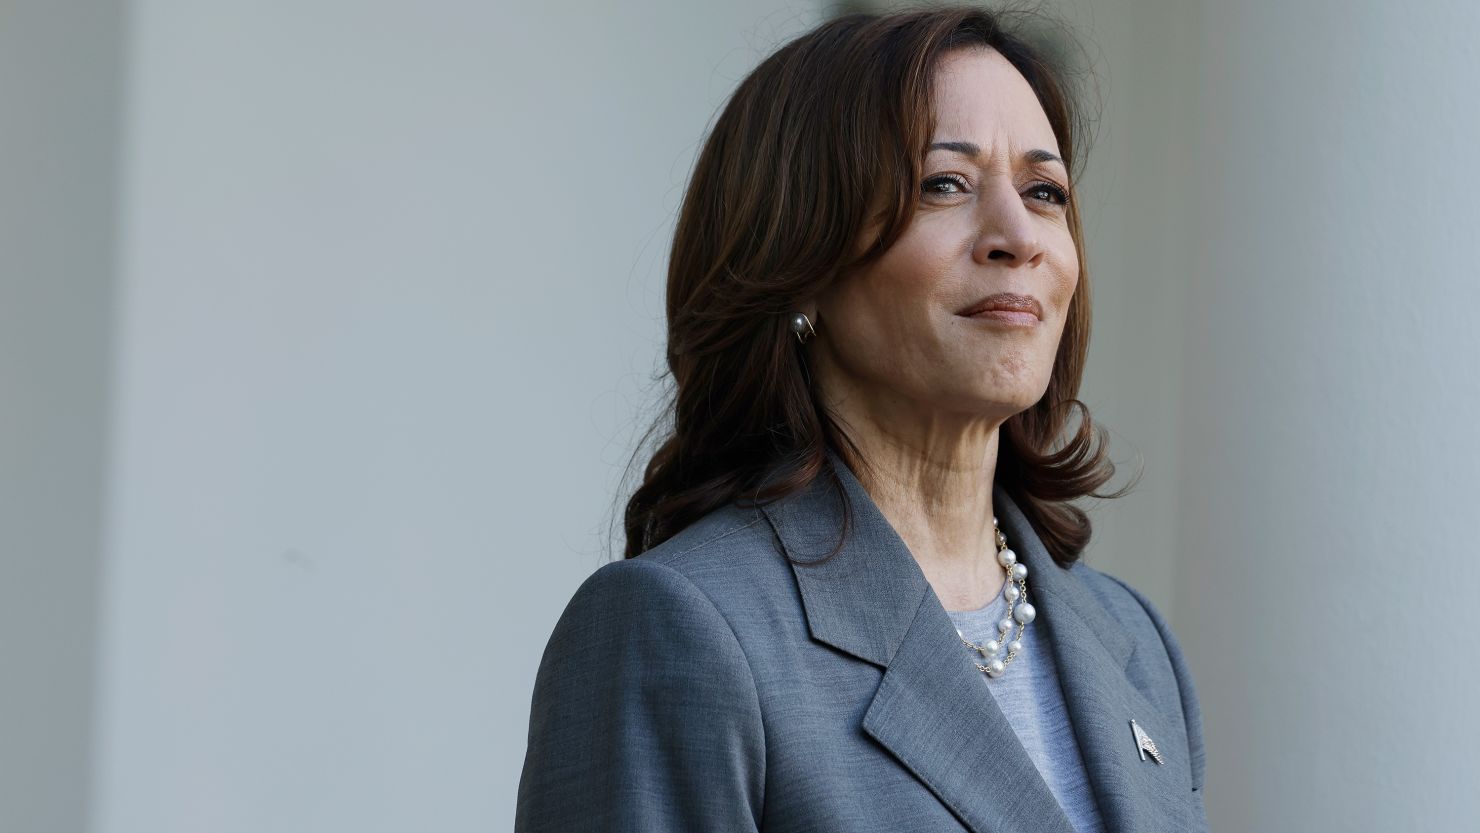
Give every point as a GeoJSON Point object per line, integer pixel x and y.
{"type": "Point", "coordinates": [1144, 743]}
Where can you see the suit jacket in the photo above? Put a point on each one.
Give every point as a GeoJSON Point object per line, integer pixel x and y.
{"type": "Point", "coordinates": [710, 685]}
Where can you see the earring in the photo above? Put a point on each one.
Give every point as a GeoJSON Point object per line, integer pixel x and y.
{"type": "Point", "coordinates": [802, 326]}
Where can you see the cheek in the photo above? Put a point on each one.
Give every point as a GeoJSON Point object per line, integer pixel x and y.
{"type": "Point", "coordinates": [1067, 281]}
{"type": "Point", "coordinates": [885, 331]}
{"type": "Point", "coordinates": [1066, 295]}
{"type": "Point", "coordinates": [883, 328]}
{"type": "Point", "coordinates": [896, 298]}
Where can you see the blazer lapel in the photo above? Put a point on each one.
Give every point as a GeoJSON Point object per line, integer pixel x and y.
{"type": "Point", "coordinates": [1092, 650]}
{"type": "Point", "coordinates": [932, 710]}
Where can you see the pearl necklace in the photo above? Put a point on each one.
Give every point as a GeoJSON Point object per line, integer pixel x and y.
{"type": "Point", "coordinates": [1016, 588]}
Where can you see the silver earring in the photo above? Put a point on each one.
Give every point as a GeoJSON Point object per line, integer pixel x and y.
{"type": "Point", "coordinates": [802, 326]}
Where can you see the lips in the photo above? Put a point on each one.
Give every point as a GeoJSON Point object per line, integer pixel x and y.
{"type": "Point", "coordinates": [1007, 302]}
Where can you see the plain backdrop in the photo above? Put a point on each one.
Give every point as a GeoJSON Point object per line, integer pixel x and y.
{"type": "Point", "coordinates": [327, 330]}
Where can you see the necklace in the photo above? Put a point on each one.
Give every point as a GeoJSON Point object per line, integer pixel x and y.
{"type": "Point", "coordinates": [1016, 589]}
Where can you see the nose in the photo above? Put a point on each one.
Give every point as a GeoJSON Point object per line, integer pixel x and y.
{"type": "Point", "coordinates": [1008, 231]}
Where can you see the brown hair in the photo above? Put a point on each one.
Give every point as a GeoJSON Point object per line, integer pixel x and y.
{"type": "Point", "coordinates": [830, 126]}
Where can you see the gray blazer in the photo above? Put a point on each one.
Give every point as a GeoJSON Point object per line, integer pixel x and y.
{"type": "Point", "coordinates": [709, 685]}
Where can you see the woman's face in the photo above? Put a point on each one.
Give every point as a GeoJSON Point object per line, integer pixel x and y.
{"type": "Point", "coordinates": [991, 219]}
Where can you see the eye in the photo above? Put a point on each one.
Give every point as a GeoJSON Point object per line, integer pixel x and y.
{"type": "Point", "coordinates": [930, 185]}
{"type": "Point", "coordinates": [1059, 193]}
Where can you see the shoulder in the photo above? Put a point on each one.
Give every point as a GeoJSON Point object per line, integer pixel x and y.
{"type": "Point", "coordinates": [1120, 599]}
{"type": "Point", "coordinates": [659, 616]}
{"type": "Point", "coordinates": [659, 630]}
{"type": "Point", "coordinates": [730, 555]}
{"type": "Point", "coordinates": [667, 577]}
{"type": "Point", "coordinates": [643, 694]}
{"type": "Point", "coordinates": [716, 567]}
{"type": "Point", "coordinates": [728, 537]}
{"type": "Point", "coordinates": [1156, 646]}
{"type": "Point", "coordinates": [1132, 610]}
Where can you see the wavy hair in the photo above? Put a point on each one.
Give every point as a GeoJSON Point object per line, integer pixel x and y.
{"type": "Point", "coordinates": [824, 139]}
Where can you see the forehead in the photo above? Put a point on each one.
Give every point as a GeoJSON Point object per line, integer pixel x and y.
{"type": "Point", "coordinates": [981, 97]}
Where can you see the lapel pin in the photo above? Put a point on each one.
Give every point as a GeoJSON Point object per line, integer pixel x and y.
{"type": "Point", "coordinates": [1144, 743]}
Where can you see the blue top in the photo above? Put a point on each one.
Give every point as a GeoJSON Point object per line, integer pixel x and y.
{"type": "Point", "coordinates": [1029, 696]}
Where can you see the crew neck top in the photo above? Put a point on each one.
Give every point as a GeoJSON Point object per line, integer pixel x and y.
{"type": "Point", "coordinates": [1029, 696]}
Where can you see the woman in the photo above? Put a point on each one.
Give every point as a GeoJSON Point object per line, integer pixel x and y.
{"type": "Point", "coordinates": [852, 599]}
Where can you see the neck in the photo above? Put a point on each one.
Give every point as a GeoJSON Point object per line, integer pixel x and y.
{"type": "Point", "coordinates": [931, 474]}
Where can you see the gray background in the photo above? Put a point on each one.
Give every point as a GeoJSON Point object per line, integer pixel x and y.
{"type": "Point", "coordinates": [320, 321]}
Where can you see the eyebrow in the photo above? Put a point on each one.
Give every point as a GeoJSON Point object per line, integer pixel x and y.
{"type": "Point", "coordinates": [1036, 155]}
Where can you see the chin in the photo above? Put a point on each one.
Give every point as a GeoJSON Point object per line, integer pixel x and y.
{"type": "Point", "coordinates": [991, 405]}
{"type": "Point", "coordinates": [996, 392]}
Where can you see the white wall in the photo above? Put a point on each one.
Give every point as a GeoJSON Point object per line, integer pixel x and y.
{"type": "Point", "coordinates": [390, 294]}
{"type": "Point", "coordinates": [59, 93]}
{"type": "Point", "coordinates": [1330, 397]}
